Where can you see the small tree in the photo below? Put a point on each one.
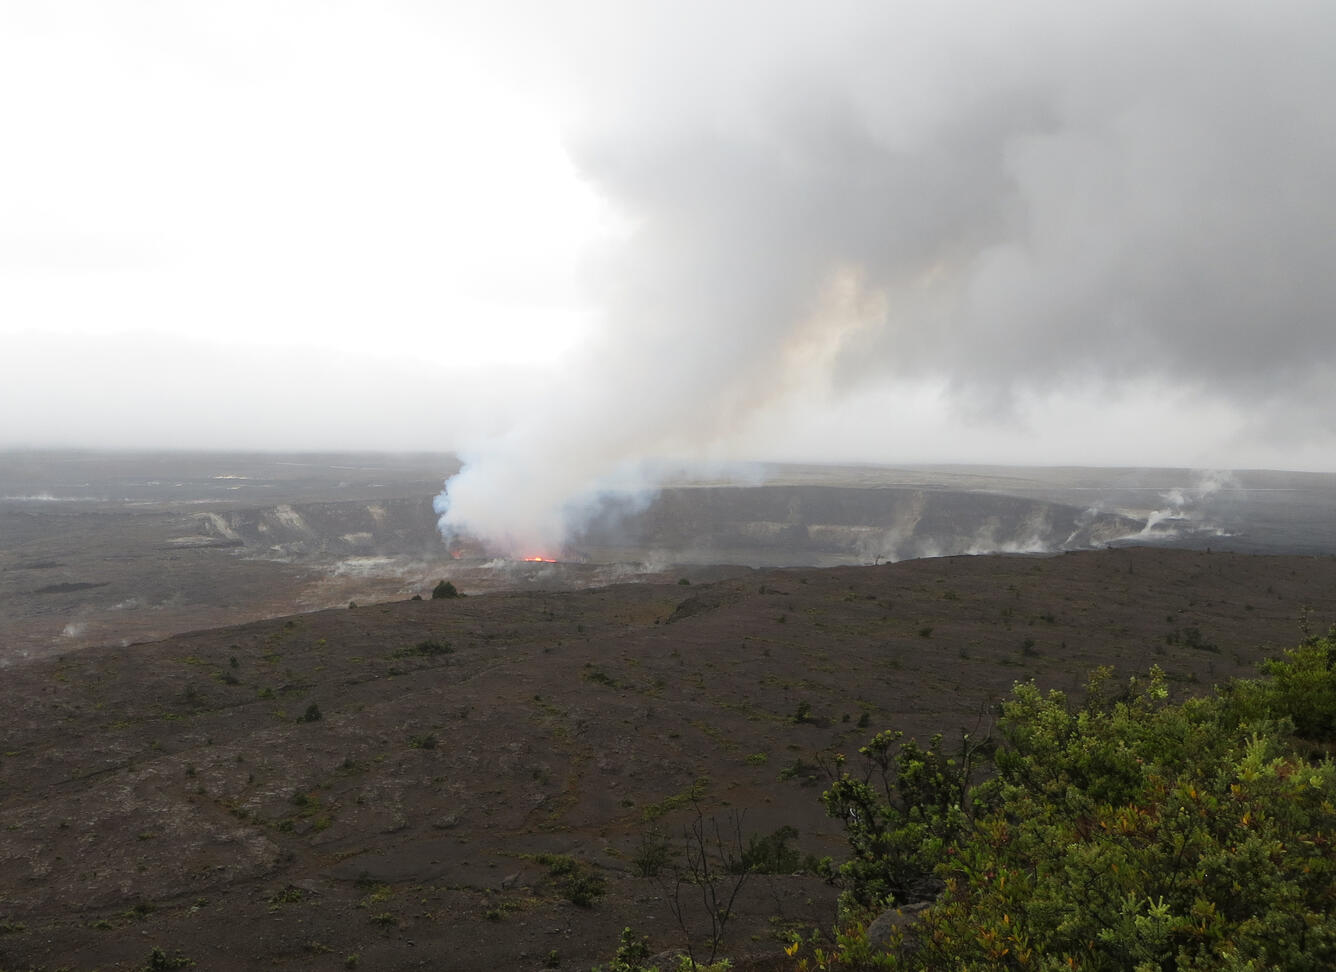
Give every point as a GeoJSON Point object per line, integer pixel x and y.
{"type": "Point", "coordinates": [444, 591]}
{"type": "Point", "coordinates": [711, 869]}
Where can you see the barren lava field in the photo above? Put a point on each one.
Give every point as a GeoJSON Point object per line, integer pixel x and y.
{"type": "Point", "coordinates": [374, 787]}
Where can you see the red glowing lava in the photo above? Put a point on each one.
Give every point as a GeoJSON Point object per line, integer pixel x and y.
{"type": "Point", "coordinates": [540, 559]}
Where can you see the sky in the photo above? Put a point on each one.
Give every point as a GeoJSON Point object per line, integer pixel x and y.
{"type": "Point", "coordinates": [577, 241]}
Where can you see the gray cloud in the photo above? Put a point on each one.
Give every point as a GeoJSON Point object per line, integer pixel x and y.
{"type": "Point", "coordinates": [1132, 190]}
{"type": "Point", "coordinates": [1013, 201]}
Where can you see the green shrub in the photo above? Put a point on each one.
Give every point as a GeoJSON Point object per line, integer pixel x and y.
{"type": "Point", "coordinates": [584, 888]}
{"type": "Point", "coordinates": [287, 895]}
{"type": "Point", "coordinates": [1190, 638]}
{"type": "Point", "coordinates": [429, 649]}
{"type": "Point", "coordinates": [1301, 688]}
{"type": "Point", "coordinates": [772, 854]}
{"type": "Point", "coordinates": [654, 854]}
{"type": "Point", "coordinates": [600, 677]}
{"type": "Point", "coordinates": [1126, 832]}
{"type": "Point", "coordinates": [900, 811]}
{"type": "Point", "coordinates": [578, 882]}
{"type": "Point", "coordinates": [160, 961]}
{"type": "Point", "coordinates": [444, 591]}
{"type": "Point", "coordinates": [804, 772]}
{"type": "Point", "coordinates": [631, 953]}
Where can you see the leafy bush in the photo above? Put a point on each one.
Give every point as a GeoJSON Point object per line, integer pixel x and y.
{"type": "Point", "coordinates": [900, 812]}
{"type": "Point", "coordinates": [1127, 832]}
{"type": "Point", "coordinates": [632, 951]}
{"type": "Point", "coordinates": [600, 677]}
{"type": "Point", "coordinates": [579, 883]}
{"type": "Point", "coordinates": [160, 961]}
{"type": "Point", "coordinates": [772, 854]}
{"type": "Point", "coordinates": [444, 591]}
{"type": "Point", "coordinates": [1301, 688]}
{"type": "Point", "coordinates": [655, 854]}
{"type": "Point", "coordinates": [427, 649]}
{"type": "Point", "coordinates": [1191, 638]}
{"type": "Point", "coordinates": [583, 888]}
{"type": "Point", "coordinates": [804, 772]}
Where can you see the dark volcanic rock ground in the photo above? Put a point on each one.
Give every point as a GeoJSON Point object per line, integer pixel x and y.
{"type": "Point", "coordinates": [174, 795]}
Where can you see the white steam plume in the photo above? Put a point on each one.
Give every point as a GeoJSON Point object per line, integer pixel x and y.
{"type": "Point", "coordinates": [1188, 506]}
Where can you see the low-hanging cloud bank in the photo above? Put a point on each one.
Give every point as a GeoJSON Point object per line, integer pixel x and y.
{"type": "Point", "coordinates": [1004, 202]}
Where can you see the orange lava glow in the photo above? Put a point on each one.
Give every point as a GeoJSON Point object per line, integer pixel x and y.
{"type": "Point", "coordinates": [540, 560]}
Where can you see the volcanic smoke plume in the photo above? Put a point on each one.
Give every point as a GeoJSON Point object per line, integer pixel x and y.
{"type": "Point", "coordinates": [1005, 202]}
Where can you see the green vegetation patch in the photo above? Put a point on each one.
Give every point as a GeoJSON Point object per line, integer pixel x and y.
{"type": "Point", "coordinates": [1123, 832]}
{"type": "Point", "coordinates": [579, 883]}
{"type": "Point", "coordinates": [692, 794]}
{"type": "Point", "coordinates": [430, 648]}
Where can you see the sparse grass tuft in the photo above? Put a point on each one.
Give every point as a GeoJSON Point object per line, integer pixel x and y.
{"type": "Point", "coordinates": [579, 883]}
{"type": "Point", "coordinates": [160, 961]}
{"type": "Point", "coordinates": [427, 649]}
{"type": "Point", "coordinates": [600, 677]}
